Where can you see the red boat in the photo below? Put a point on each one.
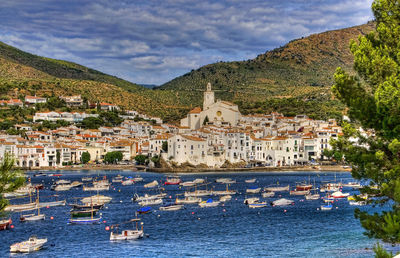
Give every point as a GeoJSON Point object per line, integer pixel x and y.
{"type": "Point", "coordinates": [303, 187]}
{"type": "Point", "coordinates": [56, 175]}
{"type": "Point", "coordinates": [5, 224]}
{"type": "Point", "coordinates": [173, 180]}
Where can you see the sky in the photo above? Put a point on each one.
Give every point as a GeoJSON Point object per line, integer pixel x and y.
{"type": "Point", "coordinates": [152, 42]}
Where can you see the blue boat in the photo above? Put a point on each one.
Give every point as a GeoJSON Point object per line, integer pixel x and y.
{"type": "Point", "coordinates": [144, 210]}
{"type": "Point", "coordinates": [326, 207]}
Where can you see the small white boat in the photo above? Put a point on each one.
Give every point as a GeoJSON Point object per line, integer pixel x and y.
{"type": "Point", "coordinates": [173, 180]}
{"type": "Point", "coordinates": [208, 203]}
{"type": "Point", "coordinates": [96, 188]}
{"type": "Point", "coordinates": [63, 182]}
{"type": "Point", "coordinates": [326, 207]}
{"type": "Point", "coordinates": [198, 181]}
{"type": "Point", "coordinates": [277, 188]}
{"type": "Point", "coordinates": [96, 199]}
{"type": "Point", "coordinates": [171, 207]}
{"type": "Point", "coordinates": [87, 179]}
{"type": "Point", "coordinates": [198, 193]}
{"type": "Point", "coordinates": [187, 183]}
{"type": "Point", "coordinates": [117, 179]}
{"type": "Point", "coordinates": [251, 200]}
{"type": "Point", "coordinates": [21, 207]}
{"type": "Point", "coordinates": [257, 205]}
{"type": "Point", "coordinates": [138, 179]}
{"type": "Point", "coordinates": [76, 184]}
{"type": "Point", "coordinates": [312, 196]}
{"type": "Point", "coordinates": [151, 202]}
{"type": "Point", "coordinates": [225, 198]}
{"type": "Point", "coordinates": [188, 200]}
{"type": "Point", "coordinates": [355, 185]}
{"type": "Point", "coordinates": [225, 181]}
{"type": "Point", "coordinates": [52, 204]}
{"type": "Point", "coordinates": [224, 192]}
{"type": "Point", "coordinates": [250, 181]}
{"type": "Point", "coordinates": [33, 244]}
{"type": "Point", "coordinates": [299, 192]}
{"type": "Point", "coordinates": [32, 217]}
{"type": "Point", "coordinates": [268, 194]}
{"type": "Point", "coordinates": [127, 234]}
{"type": "Point", "coordinates": [85, 220]}
{"type": "Point", "coordinates": [253, 190]}
{"type": "Point", "coordinates": [151, 184]}
{"type": "Point", "coordinates": [359, 203]}
{"type": "Point", "coordinates": [148, 197]}
{"type": "Point", "coordinates": [63, 187]}
{"type": "Point", "coordinates": [282, 202]}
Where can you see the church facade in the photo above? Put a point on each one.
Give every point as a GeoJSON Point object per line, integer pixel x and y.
{"type": "Point", "coordinates": [222, 113]}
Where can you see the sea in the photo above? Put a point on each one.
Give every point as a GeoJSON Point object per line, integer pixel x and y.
{"type": "Point", "coordinates": [228, 230]}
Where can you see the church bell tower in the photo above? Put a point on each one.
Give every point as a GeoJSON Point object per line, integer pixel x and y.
{"type": "Point", "coordinates": [208, 97]}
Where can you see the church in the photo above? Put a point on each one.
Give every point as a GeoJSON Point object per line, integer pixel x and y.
{"type": "Point", "coordinates": [220, 113]}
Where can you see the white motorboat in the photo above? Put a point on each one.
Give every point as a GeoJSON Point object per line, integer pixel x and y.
{"type": "Point", "coordinates": [326, 207]}
{"type": "Point", "coordinates": [268, 194]}
{"type": "Point", "coordinates": [33, 244]}
{"type": "Point", "coordinates": [173, 180]}
{"type": "Point", "coordinates": [96, 199]}
{"type": "Point", "coordinates": [225, 181]}
{"type": "Point", "coordinates": [151, 184]}
{"type": "Point", "coordinates": [127, 234]}
{"type": "Point", "coordinates": [128, 182]}
{"type": "Point", "coordinates": [251, 200]}
{"type": "Point", "coordinates": [339, 194]}
{"type": "Point", "coordinates": [312, 196]}
{"type": "Point", "coordinates": [151, 202]}
{"type": "Point", "coordinates": [187, 183]}
{"type": "Point", "coordinates": [225, 198]}
{"type": "Point", "coordinates": [76, 184]}
{"type": "Point", "coordinates": [138, 179]}
{"type": "Point", "coordinates": [276, 188]}
{"type": "Point", "coordinates": [96, 188]}
{"type": "Point", "coordinates": [148, 197]}
{"type": "Point", "coordinates": [188, 200]}
{"type": "Point", "coordinates": [357, 203]}
{"type": "Point", "coordinates": [63, 182]}
{"type": "Point", "coordinates": [282, 202]}
{"type": "Point", "coordinates": [257, 205]}
{"type": "Point", "coordinates": [103, 182]}
{"type": "Point", "coordinates": [87, 179]}
{"type": "Point", "coordinates": [253, 190]}
{"type": "Point", "coordinates": [199, 181]}
{"type": "Point", "coordinates": [250, 181]}
{"type": "Point", "coordinates": [355, 185]}
{"type": "Point", "coordinates": [32, 217]}
{"type": "Point", "coordinates": [209, 203]}
{"type": "Point", "coordinates": [198, 193]}
{"type": "Point", "coordinates": [171, 207]}
{"type": "Point", "coordinates": [62, 187]}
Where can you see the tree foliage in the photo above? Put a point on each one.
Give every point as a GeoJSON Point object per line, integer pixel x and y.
{"type": "Point", "coordinates": [10, 179]}
{"type": "Point", "coordinates": [140, 159]}
{"type": "Point", "coordinates": [113, 157]}
{"type": "Point", "coordinates": [85, 158]}
{"type": "Point", "coordinates": [373, 100]}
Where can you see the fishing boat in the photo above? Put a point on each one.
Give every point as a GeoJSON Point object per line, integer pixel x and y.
{"type": "Point", "coordinates": [187, 183]}
{"type": "Point", "coordinates": [144, 210]}
{"type": "Point", "coordinates": [83, 213]}
{"type": "Point", "coordinates": [33, 244]}
{"type": "Point", "coordinates": [250, 181]}
{"type": "Point", "coordinates": [253, 190]}
{"type": "Point", "coordinates": [150, 202]}
{"type": "Point", "coordinates": [257, 205]}
{"type": "Point", "coordinates": [33, 216]}
{"type": "Point", "coordinates": [225, 198]}
{"type": "Point", "coordinates": [282, 202]}
{"type": "Point", "coordinates": [326, 207]}
{"type": "Point", "coordinates": [188, 200]}
{"type": "Point", "coordinates": [173, 180]}
{"type": "Point", "coordinates": [20, 207]}
{"type": "Point", "coordinates": [52, 204]}
{"type": "Point", "coordinates": [209, 203]}
{"type": "Point", "coordinates": [277, 188]}
{"type": "Point", "coordinates": [339, 194]}
{"type": "Point", "coordinates": [171, 207]}
{"type": "Point", "coordinates": [81, 217]}
{"type": "Point", "coordinates": [86, 206]}
{"type": "Point", "coordinates": [127, 234]}
{"type": "Point", "coordinates": [303, 187]}
{"type": "Point", "coordinates": [299, 192]}
{"type": "Point", "coordinates": [268, 194]}
{"type": "Point", "coordinates": [5, 224]}
{"type": "Point", "coordinates": [248, 201]}
{"type": "Point", "coordinates": [224, 192]}
{"type": "Point", "coordinates": [151, 184]}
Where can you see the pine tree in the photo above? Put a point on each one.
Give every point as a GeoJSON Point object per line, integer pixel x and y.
{"type": "Point", "coordinates": [373, 99]}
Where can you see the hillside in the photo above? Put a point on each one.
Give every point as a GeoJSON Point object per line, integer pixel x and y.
{"type": "Point", "coordinates": [295, 78]}
{"type": "Point", "coordinates": [299, 72]}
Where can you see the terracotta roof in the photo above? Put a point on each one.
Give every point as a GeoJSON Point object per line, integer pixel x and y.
{"type": "Point", "coordinates": [193, 138]}
{"type": "Point", "coordinates": [195, 110]}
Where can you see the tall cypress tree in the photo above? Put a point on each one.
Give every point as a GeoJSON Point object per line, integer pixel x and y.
{"type": "Point", "coordinates": [373, 100]}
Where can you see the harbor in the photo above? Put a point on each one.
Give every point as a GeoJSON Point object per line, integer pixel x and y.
{"type": "Point", "coordinates": [217, 228]}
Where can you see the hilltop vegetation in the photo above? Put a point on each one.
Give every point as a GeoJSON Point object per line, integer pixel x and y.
{"type": "Point", "coordinates": [295, 78]}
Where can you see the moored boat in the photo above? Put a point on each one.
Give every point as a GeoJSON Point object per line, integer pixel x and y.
{"type": "Point", "coordinates": [96, 199]}
{"type": "Point", "coordinates": [5, 224]}
{"type": "Point", "coordinates": [257, 205]}
{"type": "Point", "coordinates": [276, 188]}
{"type": "Point", "coordinates": [326, 207]}
{"type": "Point", "coordinates": [282, 202]}
{"type": "Point", "coordinates": [268, 194]}
{"type": "Point", "coordinates": [127, 234]}
{"type": "Point", "coordinates": [173, 180]}
{"type": "Point", "coordinates": [144, 210]}
{"type": "Point", "coordinates": [253, 190]}
{"type": "Point", "coordinates": [339, 194]}
{"type": "Point", "coordinates": [151, 202]}
{"type": "Point", "coordinates": [33, 244]}
{"type": "Point", "coordinates": [250, 181]}
{"type": "Point", "coordinates": [248, 201]}
{"type": "Point", "coordinates": [209, 203]}
{"type": "Point", "coordinates": [171, 207]}
{"type": "Point", "coordinates": [84, 220]}
{"type": "Point", "coordinates": [151, 184]}
{"type": "Point", "coordinates": [225, 198]}
{"type": "Point", "coordinates": [188, 200]}
{"type": "Point", "coordinates": [299, 192]}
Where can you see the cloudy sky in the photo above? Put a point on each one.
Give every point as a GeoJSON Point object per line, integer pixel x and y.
{"type": "Point", "coordinates": [153, 42]}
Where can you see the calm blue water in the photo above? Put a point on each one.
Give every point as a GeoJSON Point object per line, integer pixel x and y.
{"type": "Point", "coordinates": [230, 230]}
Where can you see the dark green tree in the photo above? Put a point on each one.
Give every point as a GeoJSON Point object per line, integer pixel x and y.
{"type": "Point", "coordinates": [373, 100]}
{"type": "Point", "coordinates": [164, 146]}
{"type": "Point", "coordinates": [113, 157]}
{"type": "Point", "coordinates": [85, 158]}
{"type": "Point", "coordinates": [10, 179]}
{"type": "Point", "coordinates": [92, 122]}
{"type": "Point", "coordinates": [140, 159]}
{"type": "Point", "coordinates": [58, 157]}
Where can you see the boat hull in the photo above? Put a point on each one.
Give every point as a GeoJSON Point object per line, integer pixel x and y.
{"type": "Point", "coordinates": [84, 221]}
{"type": "Point", "coordinates": [126, 235]}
